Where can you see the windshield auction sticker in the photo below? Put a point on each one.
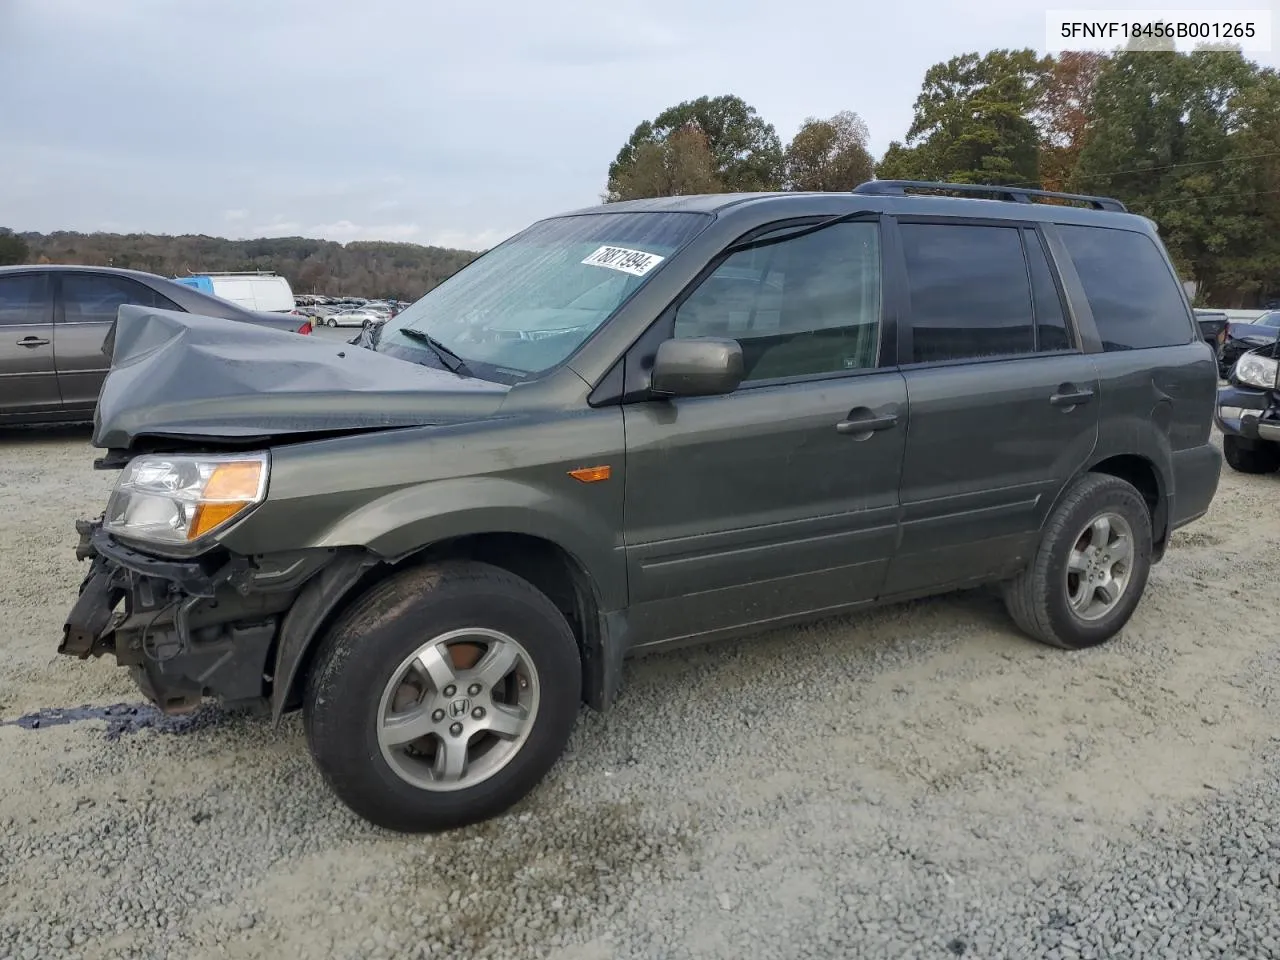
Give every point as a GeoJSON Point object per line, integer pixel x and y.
{"type": "Point", "coordinates": [635, 262]}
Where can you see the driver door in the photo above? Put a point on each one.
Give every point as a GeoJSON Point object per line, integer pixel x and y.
{"type": "Point", "coordinates": [780, 499]}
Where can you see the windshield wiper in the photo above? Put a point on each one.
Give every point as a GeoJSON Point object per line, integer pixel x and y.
{"type": "Point", "coordinates": [450, 359]}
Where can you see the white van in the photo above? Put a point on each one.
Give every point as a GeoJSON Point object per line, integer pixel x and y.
{"type": "Point", "coordinates": [253, 291]}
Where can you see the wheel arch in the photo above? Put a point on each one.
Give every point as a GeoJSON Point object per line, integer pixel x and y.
{"type": "Point", "coordinates": [551, 568]}
{"type": "Point", "coordinates": [1142, 474]}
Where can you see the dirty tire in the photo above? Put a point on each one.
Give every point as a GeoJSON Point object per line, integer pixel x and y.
{"type": "Point", "coordinates": [1037, 598]}
{"type": "Point", "coordinates": [387, 624]}
{"type": "Point", "coordinates": [1264, 457]}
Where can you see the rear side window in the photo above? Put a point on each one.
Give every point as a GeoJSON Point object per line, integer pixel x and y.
{"type": "Point", "coordinates": [94, 298]}
{"type": "Point", "coordinates": [1134, 296]}
{"type": "Point", "coordinates": [23, 299]}
{"type": "Point", "coordinates": [970, 295]}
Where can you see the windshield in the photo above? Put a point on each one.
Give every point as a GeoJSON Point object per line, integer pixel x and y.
{"type": "Point", "coordinates": [527, 304]}
{"type": "Point", "coordinates": [1270, 319]}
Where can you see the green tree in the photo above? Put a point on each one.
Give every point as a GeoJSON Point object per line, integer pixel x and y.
{"type": "Point", "coordinates": [678, 166]}
{"type": "Point", "coordinates": [974, 121]}
{"type": "Point", "coordinates": [746, 150]}
{"type": "Point", "coordinates": [1176, 136]}
{"type": "Point", "coordinates": [829, 154]}
{"type": "Point", "coordinates": [13, 249]}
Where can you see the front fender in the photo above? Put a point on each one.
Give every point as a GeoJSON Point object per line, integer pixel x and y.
{"type": "Point", "coordinates": [587, 525]}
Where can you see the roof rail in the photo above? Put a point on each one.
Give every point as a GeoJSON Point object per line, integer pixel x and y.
{"type": "Point", "coordinates": [898, 188]}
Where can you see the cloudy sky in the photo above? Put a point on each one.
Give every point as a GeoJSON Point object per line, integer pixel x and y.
{"type": "Point", "coordinates": [453, 123]}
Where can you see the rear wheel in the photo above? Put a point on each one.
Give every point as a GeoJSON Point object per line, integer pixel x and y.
{"type": "Point", "coordinates": [1090, 569]}
{"type": "Point", "coordinates": [1257, 456]}
{"type": "Point", "coordinates": [442, 697]}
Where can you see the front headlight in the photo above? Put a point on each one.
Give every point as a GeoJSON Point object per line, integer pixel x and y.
{"type": "Point", "coordinates": [1257, 371]}
{"type": "Point", "coordinates": [178, 499]}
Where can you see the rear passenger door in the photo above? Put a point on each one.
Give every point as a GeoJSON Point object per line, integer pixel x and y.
{"type": "Point", "coordinates": [87, 305]}
{"type": "Point", "coordinates": [28, 383]}
{"type": "Point", "coordinates": [1004, 403]}
{"type": "Point", "coordinates": [1153, 368]}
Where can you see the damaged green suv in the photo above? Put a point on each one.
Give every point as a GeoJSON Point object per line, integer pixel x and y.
{"type": "Point", "coordinates": [631, 427]}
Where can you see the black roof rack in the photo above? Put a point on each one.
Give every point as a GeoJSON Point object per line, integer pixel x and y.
{"type": "Point", "coordinates": [898, 188]}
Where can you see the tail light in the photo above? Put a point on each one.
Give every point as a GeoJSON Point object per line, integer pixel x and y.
{"type": "Point", "coordinates": [305, 328]}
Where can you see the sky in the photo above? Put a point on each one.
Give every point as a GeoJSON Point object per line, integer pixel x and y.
{"type": "Point", "coordinates": [447, 123]}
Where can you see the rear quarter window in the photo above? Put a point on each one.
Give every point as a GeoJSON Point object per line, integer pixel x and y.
{"type": "Point", "coordinates": [1132, 291]}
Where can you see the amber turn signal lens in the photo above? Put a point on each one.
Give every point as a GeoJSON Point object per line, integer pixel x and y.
{"type": "Point", "coordinates": [231, 487]}
{"type": "Point", "coordinates": [235, 480]}
{"type": "Point", "coordinates": [211, 515]}
{"type": "Point", "coordinates": [592, 474]}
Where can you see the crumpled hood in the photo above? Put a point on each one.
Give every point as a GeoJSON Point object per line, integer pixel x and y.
{"type": "Point", "coordinates": [179, 375]}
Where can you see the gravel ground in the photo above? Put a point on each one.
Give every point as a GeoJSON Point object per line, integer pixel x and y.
{"type": "Point", "coordinates": [916, 782]}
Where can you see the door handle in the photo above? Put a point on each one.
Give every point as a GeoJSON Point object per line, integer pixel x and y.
{"type": "Point", "coordinates": [1071, 398]}
{"type": "Point", "coordinates": [33, 342]}
{"type": "Point", "coordinates": [867, 425]}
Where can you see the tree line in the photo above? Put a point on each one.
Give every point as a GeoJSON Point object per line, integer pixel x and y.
{"type": "Point", "coordinates": [1191, 140]}
{"type": "Point", "coordinates": [403, 271]}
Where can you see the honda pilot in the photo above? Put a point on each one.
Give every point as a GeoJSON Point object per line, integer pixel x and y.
{"type": "Point", "coordinates": [632, 427]}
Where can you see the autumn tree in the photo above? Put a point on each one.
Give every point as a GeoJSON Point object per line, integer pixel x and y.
{"type": "Point", "coordinates": [829, 154]}
{"type": "Point", "coordinates": [1065, 113]}
{"type": "Point", "coordinates": [974, 122]}
{"type": "Point", "coordinates": [746, 151]}
{"type": "Point", "coordinates": [679, 165]}
{"type": "Point", "coordinates": [403, 270]}
{"type": "Point", "coordinates": [13, 249]}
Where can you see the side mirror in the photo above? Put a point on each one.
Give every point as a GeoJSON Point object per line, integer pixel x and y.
{"type": "Point", "coordinates": [697, 367]}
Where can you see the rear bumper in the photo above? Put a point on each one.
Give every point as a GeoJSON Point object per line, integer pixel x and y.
{"type": "Point", "coordinates": [186, 629]}
{"type": "Point", "coordinates": [1196, 473]}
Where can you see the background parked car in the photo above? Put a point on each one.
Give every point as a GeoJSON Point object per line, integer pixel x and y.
{"type": "Point", "coordinates": [352, 318]}
{"type": "Point", "coordinates": [1247, 412]}
{"type": "Point", "coordinates": [54, 321]}
{"type": "Point", "coordinates": [1211, 323]}
{"type": "Point", "coordinates": [1236, 338]}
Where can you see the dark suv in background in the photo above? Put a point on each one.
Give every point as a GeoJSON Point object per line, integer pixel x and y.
{"type": "Point", "coordinates": [631, 427]}
{"type": "Point", "coordinates": [54, 320]}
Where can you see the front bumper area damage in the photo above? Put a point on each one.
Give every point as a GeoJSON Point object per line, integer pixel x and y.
{"type": "Point", "coordinates": [186, 629]}
{"type": "Point", "coordinates": [1248, 412]}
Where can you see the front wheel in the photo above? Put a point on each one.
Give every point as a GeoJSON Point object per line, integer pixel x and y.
{"type": "Point", "coordinates": [1090, 569]}
{"type": "Point", "coordinates": [1260, 456]}
{"type": "Point", "coordinates": [442, 697]}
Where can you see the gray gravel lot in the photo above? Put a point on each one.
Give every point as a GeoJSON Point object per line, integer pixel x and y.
{"type": "Point", "coordinates": [920, 781]}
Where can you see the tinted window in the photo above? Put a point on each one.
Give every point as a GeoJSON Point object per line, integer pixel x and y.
{"type": "Point", "coordinates": [1051, 320]}
{"type": "Point", "coordinates": [88, 297]}
{"type": "Point", "coordinates": [799, 307]}
{"type": "Point", "coordinates": [22, 299]}
{"type": "Point", "coordinates": [969, 292]}
{"type": "Point", "coordinates": [1135, 299]}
